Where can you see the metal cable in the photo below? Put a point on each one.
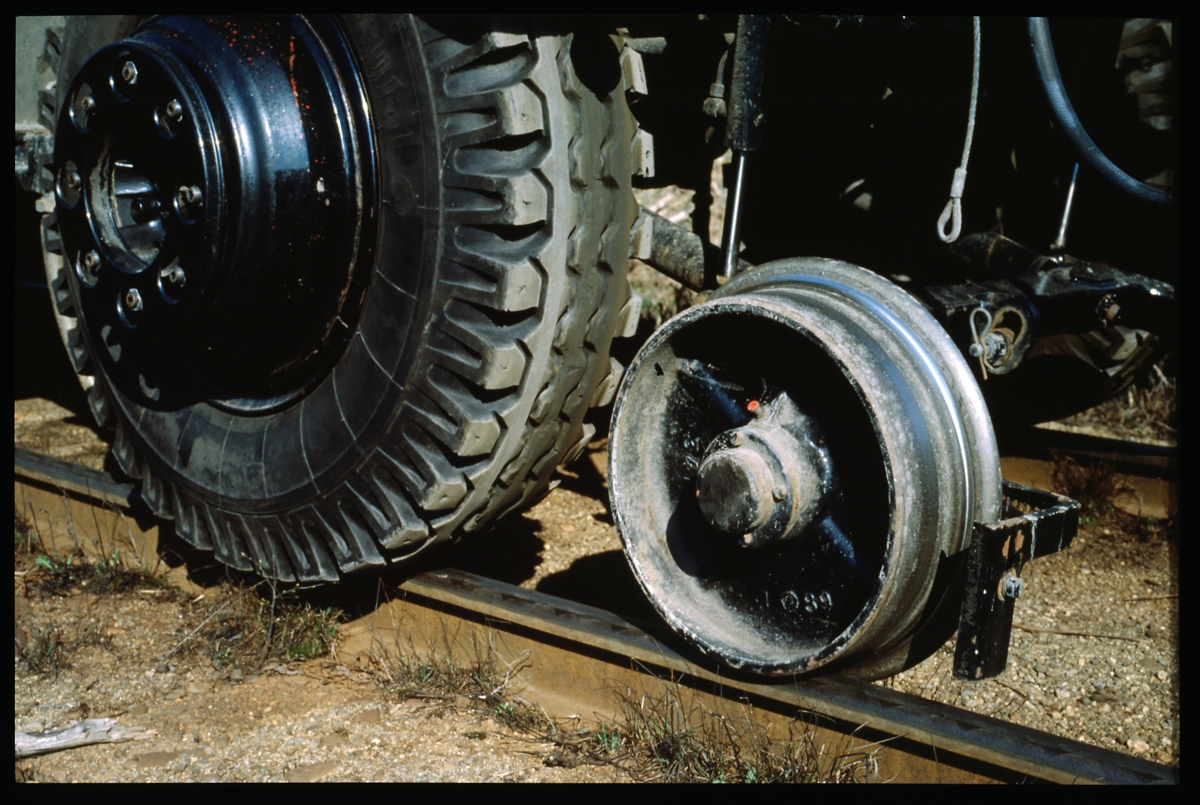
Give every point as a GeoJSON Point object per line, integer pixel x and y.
{"type": "Point", "coordinates": [953, 208]}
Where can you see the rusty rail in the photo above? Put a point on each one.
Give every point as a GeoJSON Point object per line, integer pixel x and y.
{"type": "Point", "coordinates": [920, 740]}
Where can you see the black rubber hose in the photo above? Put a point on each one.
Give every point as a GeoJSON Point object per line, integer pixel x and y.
{"type": "Point", "coordinates": [1068, 122]}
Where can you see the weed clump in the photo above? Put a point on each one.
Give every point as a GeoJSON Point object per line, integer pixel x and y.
{"type": "Point", "coordinates": [1094, 484]}
{"type": "Point", "coordinates": [244, 626]}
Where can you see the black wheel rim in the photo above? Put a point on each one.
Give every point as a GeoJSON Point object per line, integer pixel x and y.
{"type": "Point", "coordinates": [217, 202]}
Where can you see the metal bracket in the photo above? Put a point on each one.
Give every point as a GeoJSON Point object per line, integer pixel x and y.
{"type": "Point", "coordinates": [1037, 523]}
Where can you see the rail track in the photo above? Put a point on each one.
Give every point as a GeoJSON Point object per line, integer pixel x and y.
{"type": "Point", "coordinates": [575, 655]}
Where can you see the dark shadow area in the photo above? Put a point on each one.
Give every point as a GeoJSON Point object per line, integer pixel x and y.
{"type": "Point", "coordinates": [603, 581]}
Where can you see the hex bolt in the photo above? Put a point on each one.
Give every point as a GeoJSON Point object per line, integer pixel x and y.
{"type": "Point", "coordinates": [91, 260]}
{"type": "Point", "coordinates": [1013, 587]}
{"type": "Point", "coordinates": [174, 109]}
{"type": "Point", "coordinates": [133, 300]}
{"type": "Point", "coordinates": [129, 72]}
{"type": "Point", "coordinates": [174, 274]}
{"type": "Point", "coordinates": [88, 103]}
{"type": "Point", "coordinates": [72, 180]}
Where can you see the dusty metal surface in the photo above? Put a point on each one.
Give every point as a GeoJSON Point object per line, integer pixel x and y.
{"type": "Point", "coordinates": [573, 657]}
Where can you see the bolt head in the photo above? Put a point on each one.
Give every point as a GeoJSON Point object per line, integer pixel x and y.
{"type": "Point", "coordinates": [72, 180]}
{"type": "Point", "coordinates": [190, 194]}
{"type": "Point", "coordinates": [88, 103]}
{"type": "Point", "coordinates": [174, 275]}
{"type": "Point", "coordinates": [91, 260]}
{"type": "Point", "coordinates": [174, 109]}
{"type": "Point", "coordinates": [129, 72]}
{"type": "Point", "coordinates": [133, 299]}
{"type": "Point", "coordinates": [1013, 587]}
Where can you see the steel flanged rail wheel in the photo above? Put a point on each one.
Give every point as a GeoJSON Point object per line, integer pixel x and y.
{"type": "Point", "coordinates": [795, 466]}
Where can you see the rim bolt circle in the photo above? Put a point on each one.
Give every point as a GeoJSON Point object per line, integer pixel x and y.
{"type": "Point", "coordinates": [129, 73]}
{"type": "Point", "coordinates": [133, 299]}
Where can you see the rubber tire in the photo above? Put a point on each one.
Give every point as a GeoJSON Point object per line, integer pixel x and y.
{"type": "Point", "coordinates": [499, 284]}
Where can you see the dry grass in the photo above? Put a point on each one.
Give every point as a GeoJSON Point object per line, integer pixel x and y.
{"type": "Point", "coordinates": [1146, 411]}
{"type": "Point", "coordinates": [242, 625]}
{"type": "Point", "coordinates": [653, 738]}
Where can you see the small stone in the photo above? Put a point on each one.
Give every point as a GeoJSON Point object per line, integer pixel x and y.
{"type": "Point", "coordinates": [1138, 747]}
{"type": "Point", "coordinates": [1162, 676]}
{"type": "Point", "coordinates": [373, 715]}
{"type": "Point", "coordinates": [311, 772]}
{"type": "Point", "coordinates": [198, 687]}
{"type": "Point", "coordinates": [330, 741]}
{"type": "Point", "coordinates": [152, 760]}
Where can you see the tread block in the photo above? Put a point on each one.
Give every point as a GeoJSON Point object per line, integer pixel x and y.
{"type": "Point", "coordinates": [77, 351]}
{"type": "Point", "coordinates": [488, 355]}
{"type": "Point", "coordinates": [275, 533]}
{"type": "Point", "coordinates": [407, 530]}
{"type": "Point", "coordinates": [361, 542]}
{"type": "Point", "coordinates": [191, 524]}
{"type": "Point", "coordinates": [634, 71]}
{"type": "Point", "coordinates": [160, 495]}
{"type": "Point", "coordinates": [267, 554]}
{"type": "Point", "coordinates": [589, 430]}
{"type": "Point", "coordinates": [627, 319]}
{"type": "Point", "coordinates": [459, 125]}
{"type": "Point", "coordinates": [507, 288]}
{"type": "Point", "coordinates": [226, 542]}
{"type": "Point", "coordinates": [313, 537]}
{"type": "Point", "coordinates": [498, 60]}
{"type": "Point", "coordinates": [606, 389]}
{"type": "Point", "coordinates": [101, 406]}
{"type": "Point", "coordinates": [126, 453]}
{"type": "Point", "coordinates": [642, 153]}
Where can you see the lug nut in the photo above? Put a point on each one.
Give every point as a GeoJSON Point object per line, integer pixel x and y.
{"type": "Point", "coordinates": [133, 300]}
{"type": "Point", "coordinates": [88, 103]}
{"type": "Point", "coordinates": [129, 72]}
{"type": "Point", "coordinates": [91, 260]}
{"type": "Point", "coordinates": [174, 275]}
{"type": "Point", "coordinates": [72, 180]}
{"type": "Point", "coordinates": [174, 109]}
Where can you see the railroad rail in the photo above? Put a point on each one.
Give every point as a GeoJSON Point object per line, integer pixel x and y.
{"type": "Point", "coordinates": [575, 652]}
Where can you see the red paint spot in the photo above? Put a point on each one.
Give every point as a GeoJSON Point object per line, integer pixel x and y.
{"type": "Point", "coordinates": [752, 406]}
